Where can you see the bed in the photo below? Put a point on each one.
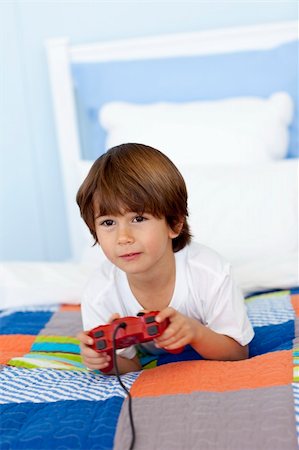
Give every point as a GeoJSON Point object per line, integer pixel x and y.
{"type": "Point", "coordinates": [221, 104]}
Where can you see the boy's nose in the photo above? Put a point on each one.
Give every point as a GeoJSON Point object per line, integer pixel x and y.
{"type": "Point", "coordinates": [124, 236]}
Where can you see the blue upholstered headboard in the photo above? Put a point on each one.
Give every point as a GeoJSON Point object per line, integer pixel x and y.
{"type": "Point", "coordinates": [180, 79]}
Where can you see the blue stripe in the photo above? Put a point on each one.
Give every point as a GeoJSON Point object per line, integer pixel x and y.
{"type": "Point", "coordinates": [55, 347]}
{"type": "Point", "coordinates": [25, 322]}
{"type": "Point", "coordinates": [272, 338]}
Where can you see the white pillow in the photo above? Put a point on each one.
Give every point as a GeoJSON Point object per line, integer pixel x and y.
{"type": "Point", "coordinates": [236, 130]}
{"type": "Point", "coordinates": [249, 214]}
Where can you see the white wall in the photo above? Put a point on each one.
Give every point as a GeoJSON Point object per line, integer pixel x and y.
{"type": "Point", "coordinates": [33, 223]}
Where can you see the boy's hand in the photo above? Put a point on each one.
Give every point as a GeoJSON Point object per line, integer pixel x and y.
{"type": "Point", "coordinates": [181, 331]}
{"type": "Point", "coordinates": [209, 344]}
{"type": "Point", "coordinates": [92, 359]}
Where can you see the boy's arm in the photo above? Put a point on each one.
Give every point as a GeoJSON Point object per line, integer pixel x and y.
{"type": "Point", "coordinates": [212, 345]}
{"type": "Point", "coordinates": [184, 330]}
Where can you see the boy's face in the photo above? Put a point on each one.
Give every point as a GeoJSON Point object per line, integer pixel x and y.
{"type": "Point", "coordinates": [135, 243]}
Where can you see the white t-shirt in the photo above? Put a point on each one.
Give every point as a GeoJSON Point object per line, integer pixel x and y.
{"type": "Point", "coordinates": [204, 290]}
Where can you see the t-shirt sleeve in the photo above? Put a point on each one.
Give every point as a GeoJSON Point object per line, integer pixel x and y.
{"type": "Point", "coordinates": [225, 309]}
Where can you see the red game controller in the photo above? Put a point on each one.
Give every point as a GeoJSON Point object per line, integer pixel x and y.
{"type": "Point", "coordinates": [134, 330]}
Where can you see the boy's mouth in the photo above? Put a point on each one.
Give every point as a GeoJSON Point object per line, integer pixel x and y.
{"type": "Point", "coordinates": [130, 256]}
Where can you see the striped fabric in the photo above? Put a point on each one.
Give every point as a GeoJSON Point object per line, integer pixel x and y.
{"type": "Point", "coordinates": [58, 403]}
{"type": "Point", "coordinates": [296, 404]}
{"type": "Point", "coordinates": [38, 386]}
{"type": "Point", "coordinates": [273, 308]}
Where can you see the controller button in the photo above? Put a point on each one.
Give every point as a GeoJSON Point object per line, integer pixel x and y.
{"type": "Point", "coordinates": [152, 330]}
{"type": "Point", "coordinates": [99, 334]}
{"type": "Point", "coordinates": [100, 345]}
{"type": "Point", "coordinates": [150, 319]}
{"type": "Point", "coordinates": [140, 314]}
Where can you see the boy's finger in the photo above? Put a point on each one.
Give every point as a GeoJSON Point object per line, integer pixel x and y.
{"type": "Point", "coordinates": [166, 313]}
{"type": "Point", "coordinates": [96, 366]}
{"type": "Point", "coordinates": [114, 317]}
{"type": "Point", "coordinates": [145, 311]}
{"type": "Point", "coordinates": [84, 338]}
{"type": "Point", "coordinates": [170, 332]}
{"type": "Point", "coordinates": [98, 360]}
{"type": "Point", "coordinates": [89, 352]}
{"type": "Point", "coordinates": [180, 343]}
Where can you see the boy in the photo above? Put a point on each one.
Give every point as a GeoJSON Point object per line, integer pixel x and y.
{"type": "Point", "coordinates": [134, 201]}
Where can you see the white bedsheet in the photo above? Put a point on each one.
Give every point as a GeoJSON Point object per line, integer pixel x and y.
{"type": "Point", "coordinates": [39, 283]}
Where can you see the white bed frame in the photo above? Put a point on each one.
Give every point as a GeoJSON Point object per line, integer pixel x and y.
{"type": "Point", "coordinates": [61, 54]}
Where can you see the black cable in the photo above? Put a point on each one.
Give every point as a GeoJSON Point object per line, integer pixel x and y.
{"type": "Point", "coordinates": [123, 325]}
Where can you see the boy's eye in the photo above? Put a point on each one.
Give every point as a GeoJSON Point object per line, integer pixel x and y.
{"type": "Point", "coordinates": [139, 219]}
{"type": "Point", "coordinates": [107, 223]}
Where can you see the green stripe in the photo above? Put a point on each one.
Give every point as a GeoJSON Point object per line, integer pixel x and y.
{"type": "Point", "coordinates": [56, 365]}
{"type": "Point", "coordinates": [269, 295]}
{"type": "Point", "coordinates": [296, 374]}
{"type": "Point", "coordinates": [150, 365]}
{"type": "Point", "coordinates": [17, 363]}
{"type": "Point", "coordinates": [57, 339]}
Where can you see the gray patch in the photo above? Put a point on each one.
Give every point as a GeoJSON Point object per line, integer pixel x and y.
{"type": "Point", "coordinates": [253, 419]}
{"type": "Point", "coordinates": [63, 323]}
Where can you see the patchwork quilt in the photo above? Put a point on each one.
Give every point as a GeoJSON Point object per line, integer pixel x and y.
{"type": "Point", "coordinates": [49, 400]}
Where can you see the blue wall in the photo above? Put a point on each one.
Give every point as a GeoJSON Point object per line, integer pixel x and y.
{"type": "Point", "coordinates": [33, 222]}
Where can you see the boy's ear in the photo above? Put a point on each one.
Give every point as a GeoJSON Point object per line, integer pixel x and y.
{"type": "Point", "coordinates": [175, 231]}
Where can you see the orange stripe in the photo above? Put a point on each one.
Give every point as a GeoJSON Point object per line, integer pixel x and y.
{"type": "Point", "coordinates": [66, 307]}
{"type": "Point", "coordinates": [14, 345]}
{"type": "Point", "coordinates": [270, 369]}
{"type": "Point", "coordinates": [295, 303]}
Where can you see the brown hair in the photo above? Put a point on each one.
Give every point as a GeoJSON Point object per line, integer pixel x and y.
{"type": "Point", "coordinates": [139, 178]}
